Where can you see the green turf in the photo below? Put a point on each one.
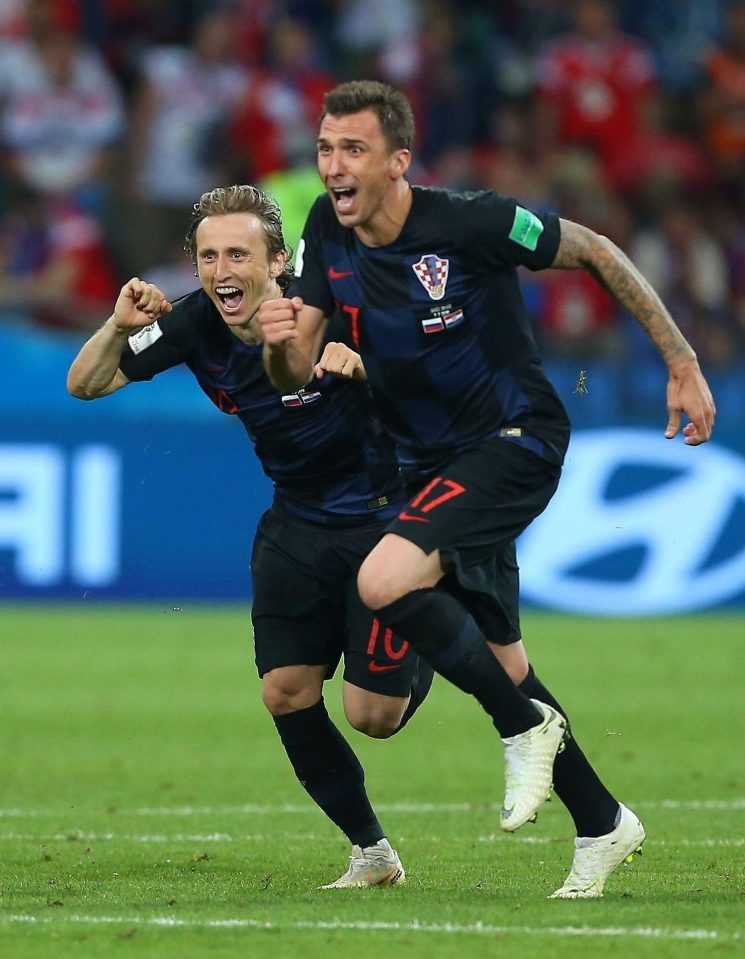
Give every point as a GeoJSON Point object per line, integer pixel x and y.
{"type": "Point", "coordinates": [147, 809]}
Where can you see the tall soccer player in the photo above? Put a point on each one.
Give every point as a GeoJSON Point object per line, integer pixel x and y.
{"type": "Point", "coordinates": [336, 485]}
{"type": "Point", "coordinates": [427, 279]}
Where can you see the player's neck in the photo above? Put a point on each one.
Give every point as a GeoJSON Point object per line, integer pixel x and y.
{"type": "Point", "coordinates": [388, 222]}
{"type": "Point", "coordinates": [248, 332]}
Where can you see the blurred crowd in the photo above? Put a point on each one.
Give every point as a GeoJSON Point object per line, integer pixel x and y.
{"type": "Point", "coordinates": [627, 116]}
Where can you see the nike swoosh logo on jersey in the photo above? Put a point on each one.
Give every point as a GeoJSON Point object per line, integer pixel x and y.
{"type": "Point", "coordinates": [382, 667]}
{"type": "Point", "coordinates": [339, 275]}
{"type": "Point", "coordinates": [416, 519]}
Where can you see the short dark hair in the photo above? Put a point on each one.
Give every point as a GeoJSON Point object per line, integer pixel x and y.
{"type": "Point", "coordinates": [390, 105]}
{"type": "Point", "coordinates": [242, 198]}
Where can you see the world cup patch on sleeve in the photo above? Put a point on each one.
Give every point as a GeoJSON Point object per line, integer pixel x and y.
{"type": "Point", "coordinates": [145, 337]}
{"type": "Point", "coordinates": [526, 228]}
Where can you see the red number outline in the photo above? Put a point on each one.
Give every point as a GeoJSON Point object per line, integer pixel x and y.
{"type": "Point", "coordinates": [353, 312]}
{"type": "Point", "coordinates": [454, 489]}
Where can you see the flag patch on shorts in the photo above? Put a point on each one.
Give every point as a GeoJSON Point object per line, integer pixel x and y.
{"type": "Point", "coordinates": [526, 228]}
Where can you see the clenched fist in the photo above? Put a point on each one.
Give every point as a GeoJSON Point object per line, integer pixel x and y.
{"type": "Point", "coordinates": [278, 319]}
{"type": "Point", "coordinates": [138, 304]}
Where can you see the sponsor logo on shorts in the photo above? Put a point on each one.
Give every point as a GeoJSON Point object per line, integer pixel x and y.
{"type": "Point", "coordinates": [383, 667]}
{"type": "Point", "coordinates": [410, 516]}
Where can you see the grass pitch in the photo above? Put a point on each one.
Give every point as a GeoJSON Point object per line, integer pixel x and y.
{"type": "Point", "coordinates": [147, 808]}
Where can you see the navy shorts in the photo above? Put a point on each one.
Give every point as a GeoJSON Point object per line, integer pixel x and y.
{"type": "Point", "coordinates": [472, 511]}
{"type": "Point", "coordinates": [307, 611]}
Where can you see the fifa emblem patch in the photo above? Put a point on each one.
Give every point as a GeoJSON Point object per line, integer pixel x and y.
{"type": "Point", "coordinates": [432, 273]}
{"type": "Point", "coordinates": [526, 229]}
{"type": "Point", "coordinates": [301, 398]}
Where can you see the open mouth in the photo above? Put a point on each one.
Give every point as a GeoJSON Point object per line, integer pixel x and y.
{"type": "Point", "coordinates": [230, 297]}
{"type": "Point", "coordinates": [343, 198]}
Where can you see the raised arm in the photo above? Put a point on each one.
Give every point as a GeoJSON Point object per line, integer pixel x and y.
{"type": "Point", "coordinates": [687, 390]}
{"type": "Point", "coordinates": [292, 335]}
{"type": "Point", "coordinates": [95, 370]}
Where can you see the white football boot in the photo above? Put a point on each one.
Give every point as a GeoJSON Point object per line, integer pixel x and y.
{"type": "Point", "coordinates": [376, 865]}
{"type": "Point", "coordinates": [529, 767]}
{"type": "Point", "coordinates": [595, 858]}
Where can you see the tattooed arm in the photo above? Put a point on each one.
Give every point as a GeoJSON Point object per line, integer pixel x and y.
{"type": "Point", "coordinates": [687, 390]}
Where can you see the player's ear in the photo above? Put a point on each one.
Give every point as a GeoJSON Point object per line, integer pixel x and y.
{"type": "Point", "coordinates": [277, 266]}
{"type": "Point", "coordinates": [400, 163]}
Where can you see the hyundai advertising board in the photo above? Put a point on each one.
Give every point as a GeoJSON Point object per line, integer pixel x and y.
{"type": "Point", "coordinates": [165, 509]}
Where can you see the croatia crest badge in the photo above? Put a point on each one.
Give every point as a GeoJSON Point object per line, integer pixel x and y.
{"type": "Point", "coordinates": [432, 273]}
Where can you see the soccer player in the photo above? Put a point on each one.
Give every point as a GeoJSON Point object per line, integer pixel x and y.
{"type": "Point", "coordinates": [336, 484]}
{"type": "Point", "coordinates": [427, 279]}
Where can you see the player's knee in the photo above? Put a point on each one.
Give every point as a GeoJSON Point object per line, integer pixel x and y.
{"type": "Point", "coordinates": [275, 700]}
{"type": "Point", "coordinates": [513, 660]}
{"type": "Point", "coordinates": [376, 588]}
{"type": "Point", "coordinates": [517, 673]}
{"type": "Point", "coordinates": [380, 723]}
{"type": "Point", "coordinates": [395, 568]}
{"type": "Point", "coordinates": [375, 728]}
{"type": "Point", "coordinates": [283, 694]}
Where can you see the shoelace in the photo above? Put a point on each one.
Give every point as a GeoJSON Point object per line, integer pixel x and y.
{"type": "Point", "coordinates": [360, 863]}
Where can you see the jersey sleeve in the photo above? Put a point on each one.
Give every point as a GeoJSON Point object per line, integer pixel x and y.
{"type": "Point", "coordinates": [157, 347]}
{"type": "Point", "coordinates": [501, 231]}
{"type": "Point", "coordinates": [310, 280]}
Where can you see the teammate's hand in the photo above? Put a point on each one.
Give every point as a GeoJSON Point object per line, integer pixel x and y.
{"type": "Point", "coordinates": [278, 319]}
{"type": "Point", "coordinates": [138, 304]}
{"type": "Point", "coordinates": [689, 393]}
{"type": "Point", "coordinates": [339, 359]}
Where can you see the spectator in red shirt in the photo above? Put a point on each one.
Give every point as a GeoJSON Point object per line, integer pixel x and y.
{"type": "Point", "coordinates": [594, 81]}
{"type": "Point", "coordinates": [274, 126]}
{"type": "Point", "coordinates": [659, 162]}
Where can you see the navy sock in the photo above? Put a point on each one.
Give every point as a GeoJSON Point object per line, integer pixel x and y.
{"type": "Point", "coordinates": [442, 631]}
{"type": "Point", "coordinates": [419, 691]}
{"type": "Point", "coordinates": [329, 771]}
{"type": "Point", "coordinates": [591, 806]}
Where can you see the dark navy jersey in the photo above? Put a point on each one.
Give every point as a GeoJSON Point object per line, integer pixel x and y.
{"type": "Point", "coordinates": [322, 447]}
{"type": "Point", "coordinates": [440, 322]}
